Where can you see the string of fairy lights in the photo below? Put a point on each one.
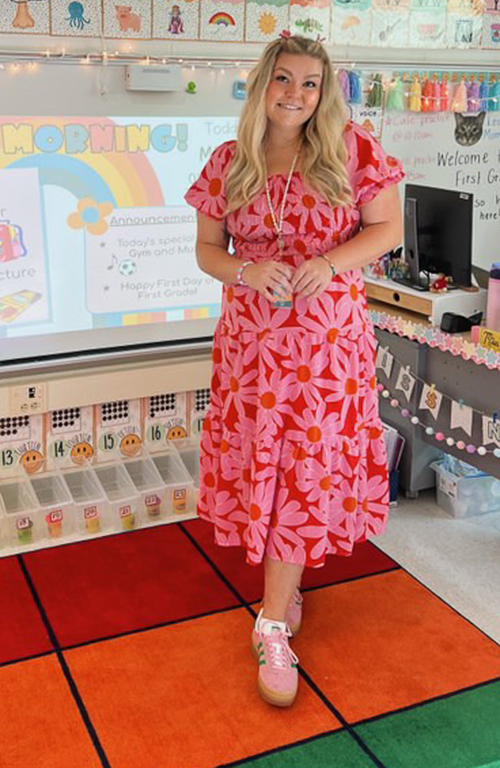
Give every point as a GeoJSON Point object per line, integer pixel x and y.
{"type": "Point", "coordinates": [435, 91]}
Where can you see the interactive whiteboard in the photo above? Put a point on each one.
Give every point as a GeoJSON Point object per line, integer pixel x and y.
{"type": "Point", "coordinates": [97, 246]}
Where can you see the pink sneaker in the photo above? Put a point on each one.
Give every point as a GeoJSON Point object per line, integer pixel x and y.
{"type": "Point", "coordinates": [278, 676]}
{"type": "Point", "coordinates": [293, 615]}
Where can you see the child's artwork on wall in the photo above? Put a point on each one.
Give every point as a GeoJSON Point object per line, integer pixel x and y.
{"type": "Point", "coordinates": [429, 24]}
{"type": "Point", "coordinates": [176, 20]}
{"type": "Point", "coordinates": [222, 20]}
{"type": "Point", "coordinates": [351, 22]}
{"type": "Point", "coordinates": [310, 18]}
{"type": "Point", "coordinates": [264, 20]}
{"type": "Point", "coordinates": [132, 19]}
{"type": "Point", "coordinates": [80, 18]}
{"type": "Point", "coordinates": [25, 17]}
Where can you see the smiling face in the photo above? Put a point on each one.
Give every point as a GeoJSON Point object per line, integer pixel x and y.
{"type": "Point", "coordinates": [293, 92]}
{"type": "Point", "coordinates": [130, 444]}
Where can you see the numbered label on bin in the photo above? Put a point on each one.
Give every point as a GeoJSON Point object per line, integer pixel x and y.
{"type": "Point", "coordinates": [54, 517]}
{"type": "Point", "coordinates": [125, 511]}
{"type": "Point", "coordinates": [7, 457]}
{"type": "Point", "coordinates": [180, 497]}
{"type": "Point", "coordinates": [22, 523]}
{"type": "Point", "coordinates": [90, 512]}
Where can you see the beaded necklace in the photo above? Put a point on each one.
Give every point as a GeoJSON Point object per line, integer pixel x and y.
{"type": "Point", "coordinates": [278, 225]}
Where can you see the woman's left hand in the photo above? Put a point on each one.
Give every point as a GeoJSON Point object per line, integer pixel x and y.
{"type": "Point", "coordinates": [311, 278]}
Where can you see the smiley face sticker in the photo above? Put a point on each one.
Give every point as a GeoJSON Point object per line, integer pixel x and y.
{"type": "Point", "coordinates": [130, 445]}
{"type": "Point", "coordinates": [81, 452]}
{"type": "Point", "coordinates": [31, 461]}
{"type": "Point", "coordinates": [176, 433]}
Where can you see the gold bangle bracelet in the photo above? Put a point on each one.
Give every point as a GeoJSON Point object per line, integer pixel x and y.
{"type": "Point", "coordinates": [332, 266]}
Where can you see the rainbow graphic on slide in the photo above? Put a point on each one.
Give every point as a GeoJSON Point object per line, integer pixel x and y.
{"type": "Point", "coordinates": [97, 162]}
{"type": "Point", "coordinates": [124, 179]}
{"type": "Point", "coordinates": [222, 19]}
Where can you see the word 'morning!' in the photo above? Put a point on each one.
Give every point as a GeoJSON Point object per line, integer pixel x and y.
{"type": "Point", "coordinates": [75, 138]}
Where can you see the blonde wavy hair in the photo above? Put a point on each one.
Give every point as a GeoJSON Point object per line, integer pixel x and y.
{"type": "Point", "coordinates": [323, 154]}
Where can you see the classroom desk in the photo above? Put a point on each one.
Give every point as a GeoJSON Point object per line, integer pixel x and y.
{"type": "Point", "coordinates": [474, 382]}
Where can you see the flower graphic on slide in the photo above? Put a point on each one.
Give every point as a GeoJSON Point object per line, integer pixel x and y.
{"type": "Point", "coordinates": [90, 215]}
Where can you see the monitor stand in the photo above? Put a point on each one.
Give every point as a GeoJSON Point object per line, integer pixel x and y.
{"type": "Point", "coordinates": [431, 305]}
{"type": "Point", "coordinates": [422, 285]}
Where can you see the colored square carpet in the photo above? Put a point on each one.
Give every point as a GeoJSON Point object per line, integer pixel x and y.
{"type": "Point", "coordinates": [458, 731]}
{"type": "Point", "coordinates": [152, 667]}
{"type": "Point", "coordinates": [249, 580]}
{"type": "Point", "coordinates": [184, 696]}
{"type": "Point", "coordinates": [339, 750]}
{"type": "Point", "coordinates": [41, 724]}
{"type": "Point", "coordinates": [22, 632]}
{"type": "Point", "coordinates": [386, 642]}
{"type": "Point", "coordinates": [124, 583]}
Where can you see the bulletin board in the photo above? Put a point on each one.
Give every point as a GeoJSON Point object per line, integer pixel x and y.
{"type": "Point", "coordinates": [424, 24]}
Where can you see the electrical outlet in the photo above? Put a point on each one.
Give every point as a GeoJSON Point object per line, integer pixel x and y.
{"type": "Point", "coordinates": [28, 399]}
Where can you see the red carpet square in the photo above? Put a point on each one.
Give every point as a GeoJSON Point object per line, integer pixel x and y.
{"type": "Point", "coordinates": [122, 583]}
{"type": "Point", "coordinates": [185, 696]}
{"type": "Point", "coordinates": [248, 580]}
{"type": "Point", "coordinates": [22, 632]}
{"type": "Point", "coordinates": [386, 642]}
{"type": "Point", "coordinates": [41, 724]}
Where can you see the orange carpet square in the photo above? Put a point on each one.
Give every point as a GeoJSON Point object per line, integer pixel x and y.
{"type": "Point", "coordinates": [41, 725]}
{"type": "Point", "coordinates": [185, 696]}
{"type": "Point", "coordinates": [385, 642]}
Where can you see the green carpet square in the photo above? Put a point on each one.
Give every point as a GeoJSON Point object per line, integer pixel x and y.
{"type": "Point", "coordinates": [338, 749]}
{"type": "Point", "coordinates": [460, 731]}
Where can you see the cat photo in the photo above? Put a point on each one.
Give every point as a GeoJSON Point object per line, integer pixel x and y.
{"type": "Point", "coordinates": [468, 128]}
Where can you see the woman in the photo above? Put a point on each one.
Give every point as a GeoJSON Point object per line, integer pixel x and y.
{"type": "Point", "coordinates": [293, 460]}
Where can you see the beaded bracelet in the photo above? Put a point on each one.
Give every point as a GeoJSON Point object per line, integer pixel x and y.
{"type": "Point", "coordinates": [332, 266]}
{"type": "Point", "coordinates": [239, 274]}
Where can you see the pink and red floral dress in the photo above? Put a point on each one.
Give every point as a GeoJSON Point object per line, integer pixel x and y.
{"type": "Point", "coordinates": [293, 460]}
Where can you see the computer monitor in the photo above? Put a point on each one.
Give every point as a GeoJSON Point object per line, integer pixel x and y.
{"type": "Point", "coordinates": [438, 234]}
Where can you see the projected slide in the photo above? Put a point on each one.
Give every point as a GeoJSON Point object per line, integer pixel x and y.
{"type": "Point", "coordinates": [94, 231]}
{"type": "Point", "coordinates": [144, 261]}
{"type": "Point", "coordinates": [23, 267]}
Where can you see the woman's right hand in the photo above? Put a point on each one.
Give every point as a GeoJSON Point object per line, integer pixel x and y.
{"type": "Point", "coordinates": [270, 279]}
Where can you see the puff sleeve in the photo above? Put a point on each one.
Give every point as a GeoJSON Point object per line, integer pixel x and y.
{"type": "Point", "coordinates": [207, 194]}
{"type": "Point", "coordinates": [371, 169]}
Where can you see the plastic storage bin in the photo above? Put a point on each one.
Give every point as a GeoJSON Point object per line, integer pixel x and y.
{"type": "Point", "coordinates": [178, 481]}
{"type": "Point", "coordinates": [23, 523]}
{"type": "Point", "coordinates": [151, 488]}
{"type": "Point", "coordinates": [466, 496]}
{"type": "Point", "coordinates": [92, 512]}
{"type": "Point", "coordinates": [121, 495]}
{"type": "Point", "coordinates": [55, 503]}
{"type": "Point", "coordinates": [189, 451]}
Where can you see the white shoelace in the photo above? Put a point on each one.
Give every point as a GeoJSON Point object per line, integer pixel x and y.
{"type": "Point", "coordinates": [281, 655]}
